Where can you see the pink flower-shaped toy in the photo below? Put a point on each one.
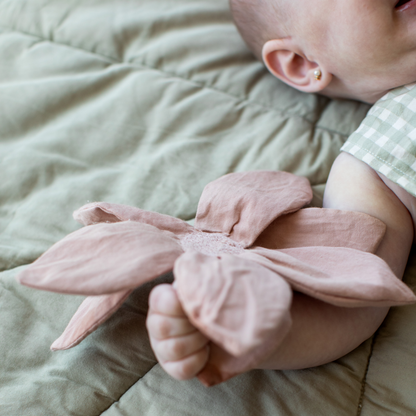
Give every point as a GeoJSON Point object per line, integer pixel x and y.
{"type": "Point", "coordinates": [235, 270]}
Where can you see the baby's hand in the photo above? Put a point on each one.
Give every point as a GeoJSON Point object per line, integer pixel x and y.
{"type": "Point", "coordinates": [179, 347]}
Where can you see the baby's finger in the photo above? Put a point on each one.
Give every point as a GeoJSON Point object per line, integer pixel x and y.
{"type": "Point", "coordinates": [174, 349]}
{"type": "Point", "coordinates": [164, 300]}
{"type": "Point", "coordinates": [165, 326]}
{"type": "Point", "coordinates": [189, 367]}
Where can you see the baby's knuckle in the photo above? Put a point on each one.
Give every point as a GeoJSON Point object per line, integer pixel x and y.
{"type": "Point", "coordinates": [182, 371]}
{"type": "Point", "coordinates": [164, 327]}
{"type": "Point", "coordinates": [159, 326]}
{"type": "Point", "coordinates": [187, 369]}
{"type": "Point", "coordinates": [178, 348]}
{"type": "Point", "coordinates": [175, 369]}
{"type": "Point", "coordinates": [154, 297]}
{"type": "Point", "coordinates": [192, 366]}
{"type": "Point", "coordinates": [160, 296]}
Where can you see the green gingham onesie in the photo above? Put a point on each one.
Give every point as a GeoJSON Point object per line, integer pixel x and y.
{"type": "Point", "coordinates": [386, 139]}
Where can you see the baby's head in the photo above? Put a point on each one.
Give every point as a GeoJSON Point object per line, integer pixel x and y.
{"type": "Point", "coordinates": [360, 48]}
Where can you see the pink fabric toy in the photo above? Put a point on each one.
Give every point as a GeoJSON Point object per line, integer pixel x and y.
{"type": "Point", "coordinates": [252, 244]}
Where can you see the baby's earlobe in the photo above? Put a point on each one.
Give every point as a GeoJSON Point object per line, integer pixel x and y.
{"type": "Point", "coordinates": [318, 78]}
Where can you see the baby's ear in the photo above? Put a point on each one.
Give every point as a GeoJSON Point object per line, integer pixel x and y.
{"type": "Point", "coordinates": [286, 61]}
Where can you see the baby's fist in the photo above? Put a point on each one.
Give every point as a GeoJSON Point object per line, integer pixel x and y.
{"type": "Point", "coordinates": [180, 348]}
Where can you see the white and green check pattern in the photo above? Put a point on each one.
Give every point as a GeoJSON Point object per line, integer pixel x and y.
{"type": "Point", "coordinates": [386, 139]}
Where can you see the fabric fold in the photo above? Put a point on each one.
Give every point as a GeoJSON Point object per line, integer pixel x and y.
{"type": "Point", "coordinates": [236, 303]}
{"type": "Point", "coordinates": [243, 204]}
{"type": "Point", "coordinates": [97, 212]}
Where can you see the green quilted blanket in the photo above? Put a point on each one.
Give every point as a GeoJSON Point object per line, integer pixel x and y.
{"type": "Point", "coordinates": [143, 102]}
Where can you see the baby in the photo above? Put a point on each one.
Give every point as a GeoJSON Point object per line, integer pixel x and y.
{"type": "Point", "coordinates": [359, 49]}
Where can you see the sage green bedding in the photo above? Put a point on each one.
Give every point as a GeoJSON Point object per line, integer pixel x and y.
{"type": "Point", "coordinates": [143, 102]}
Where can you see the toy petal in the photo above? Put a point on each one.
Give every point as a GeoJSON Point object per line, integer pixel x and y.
{"type": "Point", "coordinates": [340, 276]}
{"type": "Point", "coordinates": [96, 212]}
{"type": "Point", "coordinates": [324, 227]}
{"type": "Point", "coordinates": [236, 303]}
{"type": "Point", "coordinates": [243, 204]}
{"type": "Point", "coordinates": [104, 258]}
{"type": "Point", "coordinates": [94, 311]}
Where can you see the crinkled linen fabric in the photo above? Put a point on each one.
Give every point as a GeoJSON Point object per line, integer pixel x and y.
{"type": "Point", "coordinates": [386, 139]}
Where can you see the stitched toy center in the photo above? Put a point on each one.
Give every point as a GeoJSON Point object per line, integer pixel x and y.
{"type": "Point", "coordinates": [211, 244]}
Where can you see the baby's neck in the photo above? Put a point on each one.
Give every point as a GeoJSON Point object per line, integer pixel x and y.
{"type": "Point", "coordinates": [339, 89]}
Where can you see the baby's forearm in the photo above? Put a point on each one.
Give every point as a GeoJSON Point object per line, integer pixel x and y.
{"type": "Point", "coordinates": [321, 332]}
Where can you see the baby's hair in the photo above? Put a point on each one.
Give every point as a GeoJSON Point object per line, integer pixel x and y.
{"type": "Point", "coordinates": [259, 21]}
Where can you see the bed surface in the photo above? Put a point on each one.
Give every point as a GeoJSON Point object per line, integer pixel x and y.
{"type": "Point", "coordinates": [143, 103]}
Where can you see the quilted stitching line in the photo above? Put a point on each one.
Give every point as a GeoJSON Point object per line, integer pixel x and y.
{"type": "Point", "coordinates": [132, 386]}
{"type": "Point", "coordinates": [364, 379]}
{"type": "Point", "coordinates": [242, 100]}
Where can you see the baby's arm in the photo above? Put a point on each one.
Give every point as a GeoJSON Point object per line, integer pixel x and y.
{"type": "Point", "coordinates": [320, 332]}
{"type": "Point", "coordinates": [179, 347]}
